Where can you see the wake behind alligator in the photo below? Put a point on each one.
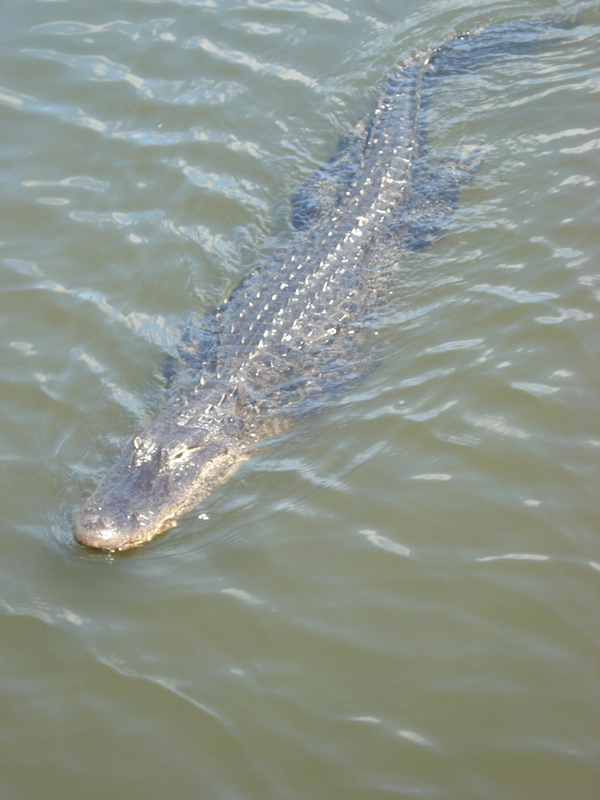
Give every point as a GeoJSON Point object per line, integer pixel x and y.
{"type": "Point", "coordinates": [297, 328]}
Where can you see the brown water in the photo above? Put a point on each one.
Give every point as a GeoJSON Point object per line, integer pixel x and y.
{"type": "Point", "coordinates": [398, 597]}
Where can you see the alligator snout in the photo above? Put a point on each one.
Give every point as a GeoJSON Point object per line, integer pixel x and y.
{"type": "Point", "coordinates": [103, 532]}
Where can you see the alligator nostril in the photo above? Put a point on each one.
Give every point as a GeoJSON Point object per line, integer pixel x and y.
{"type": "Point", "coordinates": [94, 531]}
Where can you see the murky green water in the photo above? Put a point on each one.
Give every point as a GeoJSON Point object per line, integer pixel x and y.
{"type": "Point", "coordinates": [398, 597]}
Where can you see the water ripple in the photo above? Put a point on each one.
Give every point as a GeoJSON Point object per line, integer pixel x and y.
{"type": "Point", "coordinates": [100, 68]}
{"type": "Point", "coordinates": [255, 65]}
{"type": "Point", "coordinates": [385, 543]}
{"type": "Point", "coordinates": [66, 113]}
{"type": "Point", "coordinates": [308, 7]}
{"type": "Point", "coordinates": [567, 314]}
{"type": "Point", "coordinates": [516, 557]}
{"type": "Point", "coordinates": [152, 30]}
{"type": "Point", "coordinates": [517, 295]}
{"type": "Point", "coordinates": [465, 344]}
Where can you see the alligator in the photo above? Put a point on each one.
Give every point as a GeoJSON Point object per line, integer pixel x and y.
{"type": "Point", "coordinates": [300, 326]}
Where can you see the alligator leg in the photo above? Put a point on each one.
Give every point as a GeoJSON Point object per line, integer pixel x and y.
{"type": "Point", "coordinates": [435, 197]}
{"type": "Point", "coordinates": [322, 192]}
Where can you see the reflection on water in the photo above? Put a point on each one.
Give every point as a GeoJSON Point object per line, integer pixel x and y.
{"type": "Point", "coordinates": [398, 596]}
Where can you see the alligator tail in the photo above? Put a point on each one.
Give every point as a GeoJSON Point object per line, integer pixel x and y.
{"type": "Point", "coordinates": [482, 47]}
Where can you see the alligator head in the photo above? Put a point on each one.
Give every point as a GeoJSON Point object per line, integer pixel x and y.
{"type": "Point", "coordinates": [161, 473]}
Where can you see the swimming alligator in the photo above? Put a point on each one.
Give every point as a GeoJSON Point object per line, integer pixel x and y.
{"type": "Point", "coordinates": [297, 328]}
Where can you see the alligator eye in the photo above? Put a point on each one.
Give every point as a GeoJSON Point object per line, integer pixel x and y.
{"type": "Point", "coordinates": [178, 454]}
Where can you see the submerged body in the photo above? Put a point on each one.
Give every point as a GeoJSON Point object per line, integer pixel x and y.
{"type": "Point", "coordinates": [295, 329]}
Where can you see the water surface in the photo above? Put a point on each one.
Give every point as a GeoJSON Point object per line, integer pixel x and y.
{"type": "Point", "coordinates": [396, 598]}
